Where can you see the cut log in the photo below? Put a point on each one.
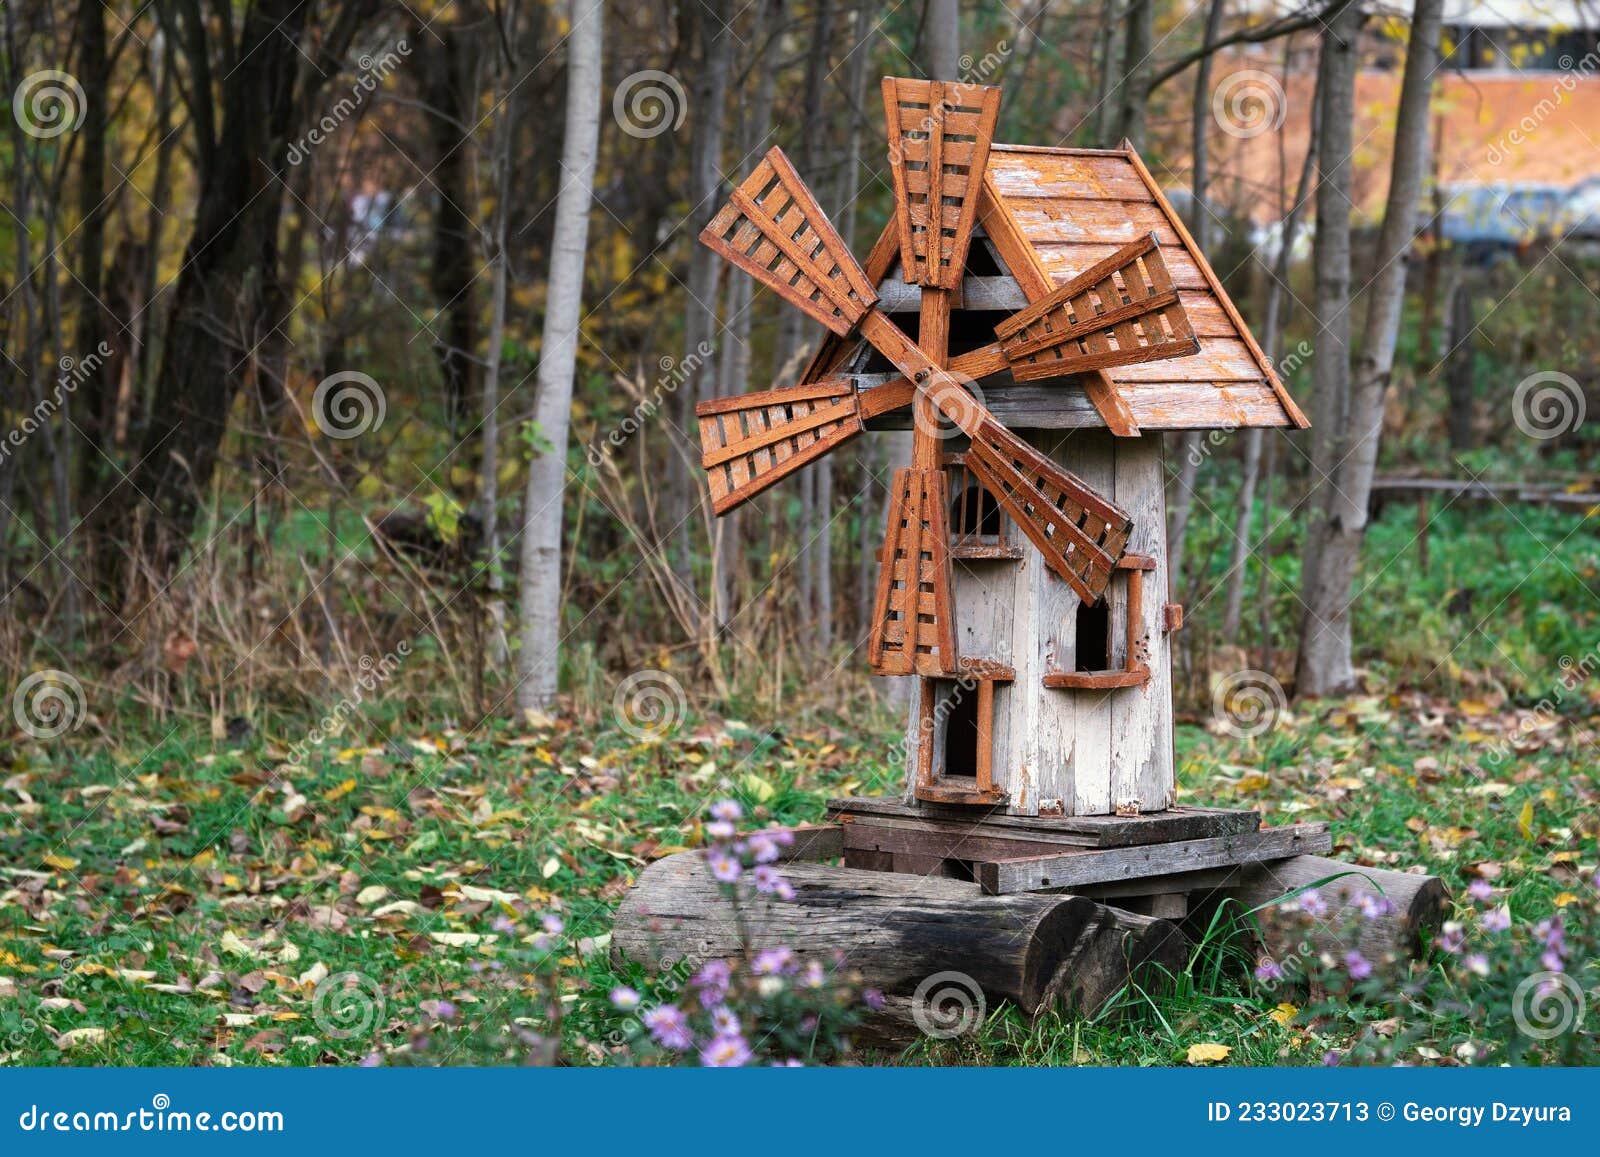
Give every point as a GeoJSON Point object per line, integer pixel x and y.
{"type": "Point", "coordinates": [1115, 950]}
{"type": "Point", "coordinates": [923, 942]}
{"type": "Point", "coordinates": [1419, 903]}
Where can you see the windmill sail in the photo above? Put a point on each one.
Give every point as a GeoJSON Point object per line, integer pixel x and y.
{"type": "Point", "coordinates": [773, 229]}
{"type": "Point", "coordinates": [939, 137]}
{"type": "Point", "coordinates": [1117, 312]}
{"type": "Point", "coordinates": [752, 441]}
{"type": "Point", "coordinates": [1081, 534]}
{"type": "Point", "coordinates": [913, 621]}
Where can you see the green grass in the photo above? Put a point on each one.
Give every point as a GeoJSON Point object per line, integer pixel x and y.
{"type": "Point", "coordinates": [170, 899]}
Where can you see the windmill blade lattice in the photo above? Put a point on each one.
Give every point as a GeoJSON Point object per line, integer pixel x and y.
{"type": "Point", "coordinates": [1119, 311]}
{"type": "Point", "coordinates": [913, 623]}
{"type": "Point", "coordinates": [752, 441]}
{"type": "Point", "coordinates": [773, 229]}
{"type": "Point", "coordinates": [939, 137]}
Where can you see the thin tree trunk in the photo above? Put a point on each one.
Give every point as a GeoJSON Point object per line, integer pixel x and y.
{"type": "Point", "coordinates": [1105, 54]}
{"type": "Point", "coordinates": [1458, 365]}
{"type": "Point", "coordinates": [538, 663]}
{"type": "Point", "coordinates": [1132, 90]}
{"type": "Point", "coordinates": [1272, 342]}
{"type": "Point", "coordinates": [734, 365]}
{"type": "Point", "coordinates": [700, 320]}
{"type": "Point", "coordinates": [816, 554]}
{"type": "Point", "coordinates": [1326, 660]}
{"type": "Point", "coordinates": [1189, 448]}
{"type": "Point", "coordinates": [944, 39]}
{"type": "Point", "coordinates": [489, 465]}
{"type": "Point", "coordinates": [862, 36]}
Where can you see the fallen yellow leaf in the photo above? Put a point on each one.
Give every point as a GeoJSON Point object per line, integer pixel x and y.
{"type": "Point", "coordinates": [1208, 1053]}
{"type": "Point", "coordinates": [60, 863]}
{"type": "Point", "coordinates": [1283, 1014]}
{"type": "Point", "coordinates": [1525, 820]}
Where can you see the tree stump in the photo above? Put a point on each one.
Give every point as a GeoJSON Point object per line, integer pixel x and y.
{"type": "Point", "coordinates": [940, 951]}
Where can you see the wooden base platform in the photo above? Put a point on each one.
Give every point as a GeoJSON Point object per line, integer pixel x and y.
{"type": "Point", "coordinates": [1160, 853]}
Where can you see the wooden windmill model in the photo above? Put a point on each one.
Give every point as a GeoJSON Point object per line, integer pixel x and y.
{"type": "Point", "coordinates": [976, 736]}
{"type": "Point", "coordinates": [1049, 320]}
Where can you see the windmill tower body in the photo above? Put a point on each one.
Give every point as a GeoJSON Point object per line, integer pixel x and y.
{"type": "Point", "coordinates": [1041, 341]}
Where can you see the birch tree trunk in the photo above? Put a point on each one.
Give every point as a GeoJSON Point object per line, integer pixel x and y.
{"type": "Point", "coordinates": [538, 667]}
{"type": "Point", "coordinates": [1326, 665]}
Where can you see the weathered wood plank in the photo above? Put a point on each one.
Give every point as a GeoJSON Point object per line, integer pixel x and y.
{"type": "Point", "coordinates": [1105, 831]}
{"type": "Point", "coordinates": [1070, 870]}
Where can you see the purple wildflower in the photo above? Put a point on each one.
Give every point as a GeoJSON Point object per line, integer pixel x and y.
{"type": "Point", "coordinates": [1374, 907]}
{"type": "Point", "coordinates": [1451, 937]}
{"type": "Point", "coordinates": [668, 1028]}
{"type": "Point", "coordinates": [440, 1009]}
{"type": "Point", "coordinates": [725, 1052]}
{"type": "Point", "coordinates": [1269, 969]}
{"type": "Point", "coordinates": [814, 976]}
{"type": "Point", "coordinates": [724, 867]}
{"type": "Point", "coordinates": [1330, 1058]}
{"type": "Point", "coordinates": [726, 810]}
{"type": "Point", "coordinates": [724, 1021]}
{"type": "Point", "coordinates": [712, 974]}
{"type": "Point", "coordinates": [791, 1063]}
{"type": "Point", "coordinates": [764, 849]}
{"type": "Point", "coordinates": [503, 925]}
{"type": "Point", "coordinates": [624, 998]}
{"type": "Point", "coordinates": [772, 961]}
{"type": "Point", "coordinates": [552, 924]}
{"type": "Point", "coordinates": [1481, 891]}
{"type": "Point", "coordinates": [1551, 959]}
{"type": "Point", "coordinates": [1496, 920]}
{"type": "Point", "coordinates": [370, 1061]}
{"type": "Point", "coordinates": [542, 942]}
{"type": "Point", "coordinates": [721, 830]}
{"type": "Point", "coordinates": [872, 998]}
{"type": "Point", "coordinates": [1357, 965]}
{"type": "Point", "coordinates": [767, 878]}
{"type": "Point", "coordinates": [1476, 963]}
{"type": "Point", "coordinates": [1313, 905]}
{"type": "Point", "coordinates": [785, 890]}
{"type": "Point", "coordinates": [784, 838]}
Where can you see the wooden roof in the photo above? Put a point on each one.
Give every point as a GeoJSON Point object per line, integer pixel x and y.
{"type": "Point", "coordinates": [1053, 212]}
